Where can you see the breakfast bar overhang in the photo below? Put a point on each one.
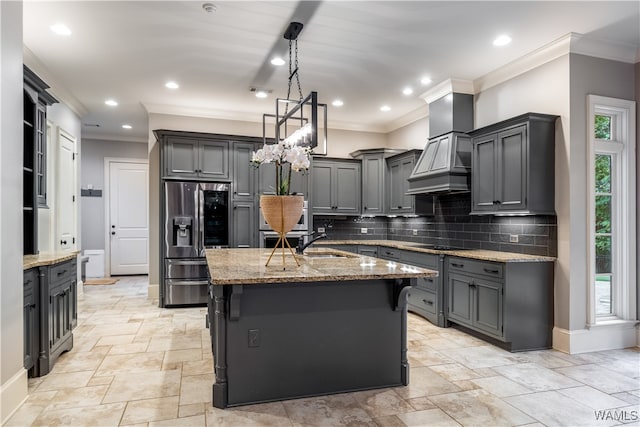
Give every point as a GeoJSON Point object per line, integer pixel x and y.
{"type": "Point", "coordinates": [336, 323]}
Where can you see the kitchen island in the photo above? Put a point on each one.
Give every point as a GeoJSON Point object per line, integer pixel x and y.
{"type": "Point", "coordinates": [335, 323]}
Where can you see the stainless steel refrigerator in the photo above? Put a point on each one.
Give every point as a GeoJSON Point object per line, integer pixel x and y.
{"type": "Point", "coordinates": [196, 216]}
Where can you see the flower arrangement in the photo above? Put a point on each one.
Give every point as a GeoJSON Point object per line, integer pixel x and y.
{"type": "Point", "coordinates": [287, 157]}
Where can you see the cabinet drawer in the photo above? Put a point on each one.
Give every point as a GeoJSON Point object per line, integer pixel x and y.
{"type": "Point", "coordinates": [389, 253]}
{"type": "Point", "coordinates": [62, 272]}
{"type": "Point", "coordinates": [428, 283]}
{"type": "Point", "coordinates": [367, 250]}
{"type": "Point", "coordinates": [420, 259]}
{"type": "Point", "coordinates": [422, 300]}
{"type": "Point", "coordinates": [468, 266]}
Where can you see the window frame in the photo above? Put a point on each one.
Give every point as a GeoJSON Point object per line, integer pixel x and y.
{"type": "Point", "coordinates": [621, 148]}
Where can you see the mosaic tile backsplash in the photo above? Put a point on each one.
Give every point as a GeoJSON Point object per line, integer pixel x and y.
{"type": "Point", "coordinates": [453, 226]}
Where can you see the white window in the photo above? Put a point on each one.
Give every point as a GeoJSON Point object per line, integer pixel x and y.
{"type": "Point", "coordinates": [612, 205]}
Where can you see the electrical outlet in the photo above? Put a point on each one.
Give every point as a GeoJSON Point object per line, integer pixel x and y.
{"type": "Point", "coordinates": [415, 232]}
{"type": "Point", "coordinates": [513, 238]}
{"type": "Point", "coordinates": [363, 230]}
{"type": "Point", "coordinates": [320, 229]}
{"type": "Point", "coordinates": [254, 337]}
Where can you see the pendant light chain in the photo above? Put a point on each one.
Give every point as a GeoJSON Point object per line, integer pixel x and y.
{"type": "Point", "coordinates": [298, 73]}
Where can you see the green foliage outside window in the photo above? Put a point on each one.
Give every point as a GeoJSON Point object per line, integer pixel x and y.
{"type": "Point", "coordinates": [603, 127]}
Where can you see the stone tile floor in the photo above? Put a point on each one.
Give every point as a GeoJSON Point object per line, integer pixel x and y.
{"type": "Point", "coordinates": [136, 364]}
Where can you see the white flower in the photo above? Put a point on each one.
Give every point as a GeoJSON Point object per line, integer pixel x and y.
{"type": "Point", "coordinates": [299, 159]}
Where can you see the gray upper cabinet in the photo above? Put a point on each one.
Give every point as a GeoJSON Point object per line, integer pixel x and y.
{"type": "Point", "coordinates": [244, 174]}
{"type": "Point", "coordinates": [399, 202]}
{"type": "Point", "coordinates": [267, 181]}
{"type": "Point", "coordinates": [194, 158]}
{"type": "Point", "coordinates": [373, 168]}
{"type": "Point", "coordinates": [513, 166]}
{"type": "Point", "coordinates": [374, 179]}
{"type": "Point", "coordinates": [336, 187]}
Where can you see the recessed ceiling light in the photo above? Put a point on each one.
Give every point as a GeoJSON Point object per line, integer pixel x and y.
{"type": "Point", "coordinates": [407, 90]}
{"type": "Point", "coordinates": [502, 40]}
{"type": "Point", "coordinates": [425, 81]}
{"type": "Point", "coordinates": [277, 61]}
{"type": "Point", "coordinates": [61, 29]}
{"type": "Point", "coordinates": [111, 102]}
{"type": "Point", "coordinates": [172, 85]}
{"type": "Point", "coordinates": [209, 7]}
{"type": "Point", "coordinates": [261, 94]}
{"type": "Point", "coordinates": [385, 108]}
{"type": "Point", "coordinates": [337, 103]}
{"type": "Point", "coordinates": [126, 126]}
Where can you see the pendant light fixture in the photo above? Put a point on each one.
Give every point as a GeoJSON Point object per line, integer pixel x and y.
{"type": "Point", "coordinates": [298, 121]}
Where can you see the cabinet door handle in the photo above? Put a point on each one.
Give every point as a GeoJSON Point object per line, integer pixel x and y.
{"type": "Point", "coordinates": [60, 273]}
{"type": "Point", "coordinates": [489, 270]}
{"type": "Point", "coordinates": [63, 242]}
{"type": "Point", "coordinates": [28, 281]}
{"type": "Point", "coordinates": [399, 207]}
{"type": "Point", "coordinates": [472, 284]}
{"type": "Point", "coordinates": [427, 302]}
{"type": "Point", "coordinates": [365, 208]}
{"type": "Point", "coordinates": [429, 280]}
{"type": "Point", "coordinates": [453, 264]}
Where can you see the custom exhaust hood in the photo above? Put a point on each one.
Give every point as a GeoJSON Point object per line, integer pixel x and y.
{"type": "Point", "coordinates": [445, 164]}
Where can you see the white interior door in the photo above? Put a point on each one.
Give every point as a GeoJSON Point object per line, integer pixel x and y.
{"type": "Point", "coordinates": [128, 218]}
{"type": "Point", "coordinates": [66, 193]}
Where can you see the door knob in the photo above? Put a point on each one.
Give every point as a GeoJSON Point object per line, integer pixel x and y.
{"type": "Point", "coordinates": [113, 226]}
{"type": "Point", "coordinates": [113, 233]}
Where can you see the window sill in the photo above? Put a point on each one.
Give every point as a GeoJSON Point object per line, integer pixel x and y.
{"type": "Point", "coordinates": [614, 323]}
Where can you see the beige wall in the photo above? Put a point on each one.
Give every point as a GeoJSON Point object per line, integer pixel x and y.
{"type": "Point", "coordinates": [413, 135]}
{"type": "Point", "coordinates": [542, 90]}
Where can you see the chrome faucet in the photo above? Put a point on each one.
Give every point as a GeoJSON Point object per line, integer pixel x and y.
{"type": "Point", "coordinates": [302, 246]}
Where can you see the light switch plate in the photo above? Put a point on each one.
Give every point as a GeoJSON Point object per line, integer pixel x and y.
{"type": "Point", "coordinates": [415, 232]}
{"type": "Point", "coordinates": [513, 238]}
{"type": "Point", "coordinates": [363, 230]}
{"type": "Point", "coordinates": [320, 229]}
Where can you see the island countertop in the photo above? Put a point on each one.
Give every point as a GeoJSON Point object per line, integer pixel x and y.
{"type": "Point", "coordinates": [247, 266]}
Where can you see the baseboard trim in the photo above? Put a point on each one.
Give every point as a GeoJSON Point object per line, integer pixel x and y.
{"type": "Point", "coordinates": [597, 338]}
{"type": "Point", "coordinates": [153, 291]}
{"type": "Point", "coordinates": [12, 394]}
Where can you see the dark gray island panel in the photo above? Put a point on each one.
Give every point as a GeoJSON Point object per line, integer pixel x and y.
{"type": "Point", "coordinates": [306, 339]}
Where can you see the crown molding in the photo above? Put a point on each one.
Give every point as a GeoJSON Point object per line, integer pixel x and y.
{"type": "Point", "coordinates": [446, 87]}
{"type": "Point", "coordinates": [569, 43]}
{"type": "Point", "coordinates": [421, 112]}
{"type": "Point", "coordinates": [107, 137]}
{"type": "Point", "coordinates": [525, 63]}
{"type": "Point", "coordinates": [622, 52]}
{"type": "Point", "coordinates": [55, 88]}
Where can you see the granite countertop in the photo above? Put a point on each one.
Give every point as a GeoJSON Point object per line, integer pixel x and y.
{"type": "Point", "coordinates": [480, 254]}
{"type": "Point", "coordinates": [247, 266]}
{"type": "Point", "coordinates": [47, 258]}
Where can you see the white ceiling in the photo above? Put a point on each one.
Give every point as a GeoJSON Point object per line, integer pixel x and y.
{"type": "Point", "coordinates": [363, 52]}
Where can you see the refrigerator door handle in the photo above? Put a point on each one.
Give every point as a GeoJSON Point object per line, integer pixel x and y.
{"type": "Point", "coordinates": [200, 207]}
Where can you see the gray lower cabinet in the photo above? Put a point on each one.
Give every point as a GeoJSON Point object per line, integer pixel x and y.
{"type": "Point", "coordinates": [244, 225]}
{"type": "Point", "coordinates": [50, 314]}
{"type": "Point", "coordinates": [367, 250]}
{"type": "Point", "coordinates": [513, 166]}
{"type": "Point", "coordinates": [399, 202]}
{"type": "Point", "coordinates": [511, 302]}
{"type": "Point", "coordinates": [31, 308]}
{"type": "Point", "coordinates": [336, 187]}
{"type": "Point", "coordinates": [427, 298]}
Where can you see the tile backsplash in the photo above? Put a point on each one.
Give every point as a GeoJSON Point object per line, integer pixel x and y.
{"type": "Point", "coordinates": [453, 226]}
